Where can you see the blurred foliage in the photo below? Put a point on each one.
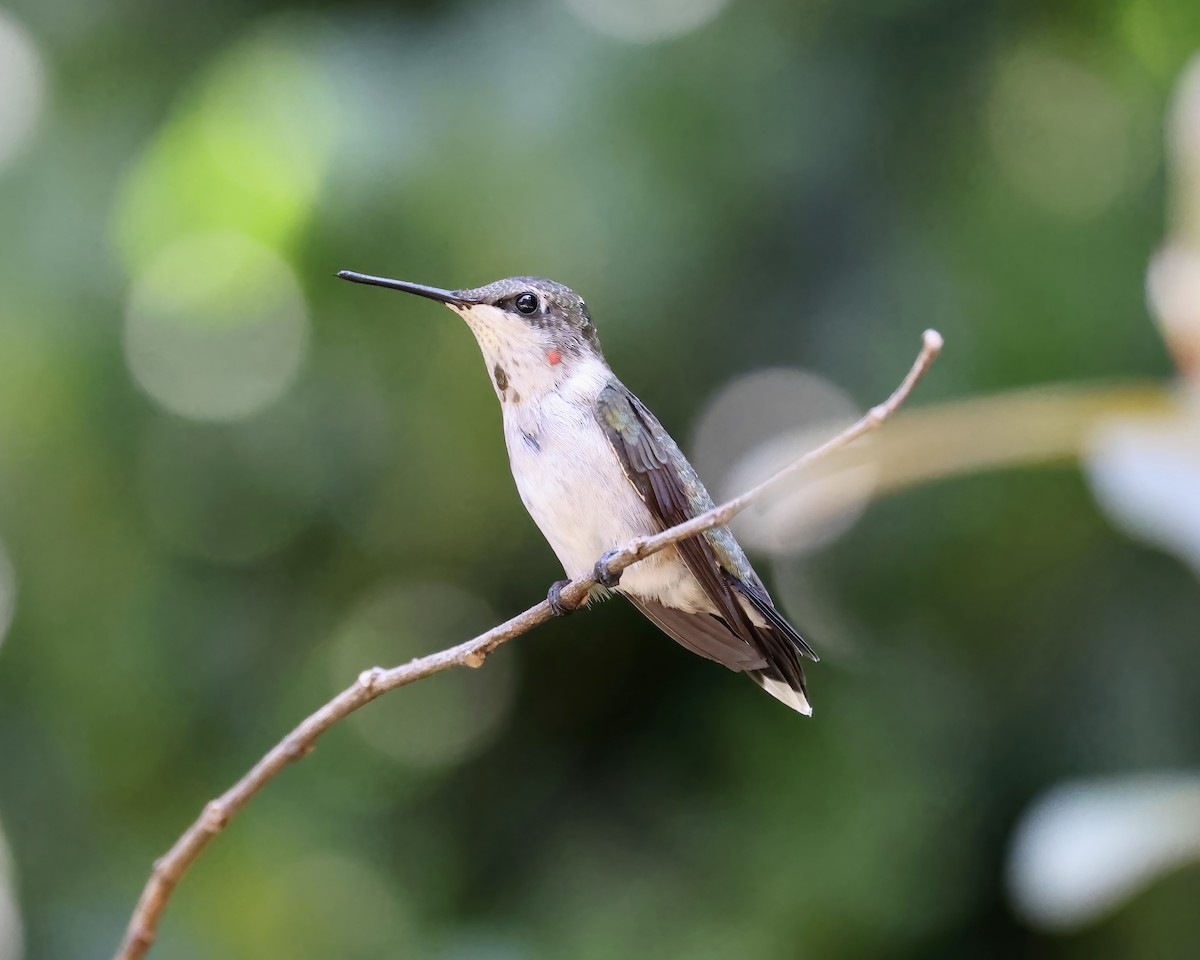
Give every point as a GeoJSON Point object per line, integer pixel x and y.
{"type": "Point", "coordinates": [228, 482]}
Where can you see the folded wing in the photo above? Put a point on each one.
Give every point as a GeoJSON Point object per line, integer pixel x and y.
{"type": "Point", "coordinates": [770, 652]}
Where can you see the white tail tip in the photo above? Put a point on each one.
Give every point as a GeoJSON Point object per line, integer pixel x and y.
{"type": "Point", "coordinates": [785, 694]}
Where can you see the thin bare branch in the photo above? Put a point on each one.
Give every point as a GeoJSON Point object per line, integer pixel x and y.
{"type": "Point", "coordinates": [372, 683]}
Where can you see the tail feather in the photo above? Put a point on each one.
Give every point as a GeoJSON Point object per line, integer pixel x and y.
{"type": "Point", "coordinates": [772, 661]}
{"type": "Point", "coordinates": [783, 692]}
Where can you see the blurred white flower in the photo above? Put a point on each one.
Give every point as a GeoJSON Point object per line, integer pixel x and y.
{"type": "Point", "coordinates": [1145, 473]}
{"type": "Point", "coordinates": [1083, 849]}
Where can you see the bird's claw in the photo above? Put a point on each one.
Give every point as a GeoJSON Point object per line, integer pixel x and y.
{"type": "Point", "coordinates": [602, 575]}
{"type": "Point", "coordinates": [558, 606]}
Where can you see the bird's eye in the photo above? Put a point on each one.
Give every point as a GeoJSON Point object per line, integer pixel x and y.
{"type": "Point", "coordinates": [527, 303]}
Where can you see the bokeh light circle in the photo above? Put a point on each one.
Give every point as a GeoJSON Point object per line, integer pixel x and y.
{"type": "Point", "coordinates": [22, 88]}
{"type": "Point", "coordinates": [216, 327]}
{"type": "Point", "coordinates": [445, 718]}
{"type": "Point", "coordinates": [1061, 135]}
{"type": "Point", "coordinates": [754, 427]}
{"type": "Point", "coordinates": [246, 148]}
{"type": "Point", "coordinates": [645, 21]}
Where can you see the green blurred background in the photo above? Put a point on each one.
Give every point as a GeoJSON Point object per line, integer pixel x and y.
{"type": "Point", "coordinates": [229, 482]}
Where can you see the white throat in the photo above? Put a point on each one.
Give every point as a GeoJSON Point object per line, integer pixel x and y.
{"type": "Point", "coordinates": [523, 363]}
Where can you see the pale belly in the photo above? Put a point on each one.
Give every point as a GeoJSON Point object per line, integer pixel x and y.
{"type": "Point", "coordinates": [574, 488]}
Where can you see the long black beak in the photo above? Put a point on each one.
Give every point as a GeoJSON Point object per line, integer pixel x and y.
{"type": "Point", "coordinates": [433, 293]}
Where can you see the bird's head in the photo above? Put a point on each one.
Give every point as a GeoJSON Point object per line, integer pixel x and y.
{"type": "Point", "coordinates": [533, 332]}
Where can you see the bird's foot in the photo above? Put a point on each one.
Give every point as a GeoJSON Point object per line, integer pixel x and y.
{"type": "Point", "coordinates": [558, 606]}
{"type": "Point", "coordinates": [602, 575]}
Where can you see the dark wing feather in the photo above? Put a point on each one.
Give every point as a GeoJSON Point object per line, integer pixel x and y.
{"type": "Point", "coordinates": [637, 439]}
{"type": "Point", "coordinates": [669, 486]}
{"type": "Point", "coordinates": [703, 634]}
{"type": "Point", "coordinates": [755, 593]}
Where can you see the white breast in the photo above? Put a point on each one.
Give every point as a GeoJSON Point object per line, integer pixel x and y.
{"type": "Point", "coordinates": [576, 491]}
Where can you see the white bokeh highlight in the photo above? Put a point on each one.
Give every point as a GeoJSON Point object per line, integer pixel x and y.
{"type": "Point", "coordinates": [754, 427]}
{"type": "Point", "coordinates": [645, 21]}
{"type": "Point", "coordinates": [1085, 848]}
{"type": "Point", "coordinates": [216, 327]}
{"type": "Point", "coordinates": [22, 88]}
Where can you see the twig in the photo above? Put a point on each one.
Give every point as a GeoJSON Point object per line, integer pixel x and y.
{"type": "Point", "coordinates": [376, 681]}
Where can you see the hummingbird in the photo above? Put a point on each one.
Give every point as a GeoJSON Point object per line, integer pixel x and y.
{"type": "Point", "coordinates": [595, 469]}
